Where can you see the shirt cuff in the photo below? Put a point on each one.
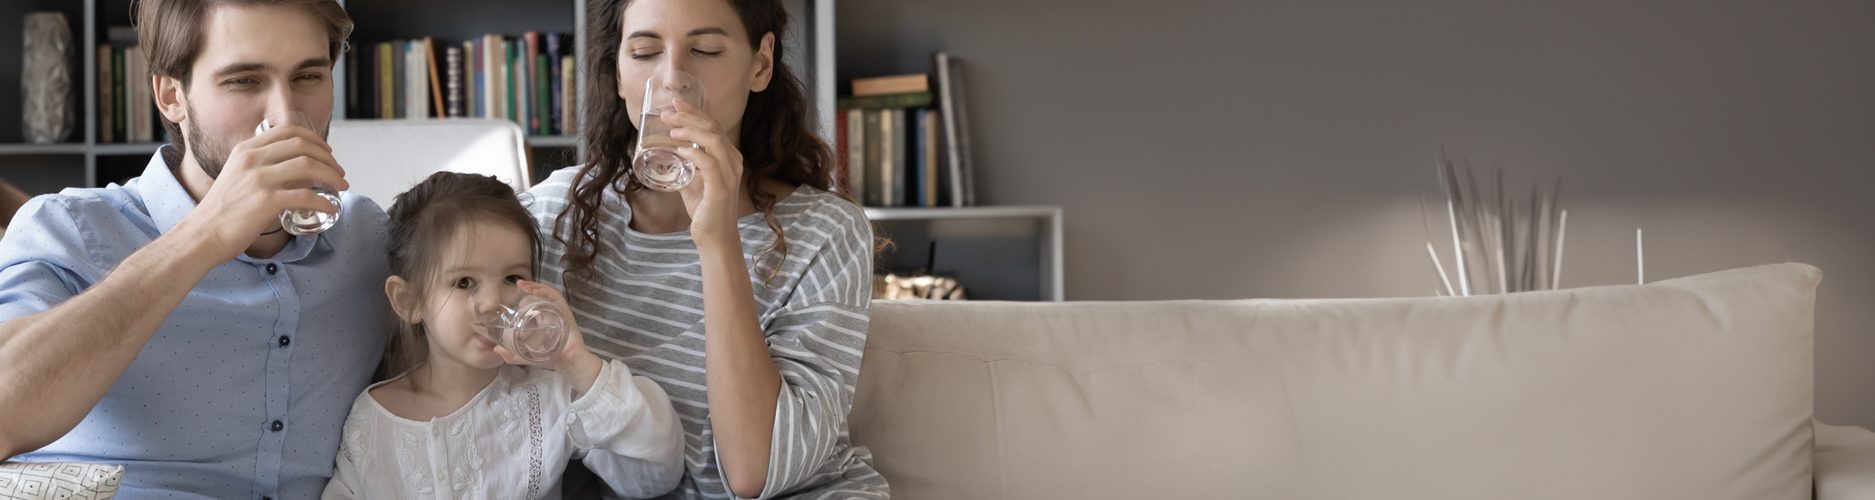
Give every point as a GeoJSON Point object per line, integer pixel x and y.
{"type": "Point", "coordinates": [599, 414]}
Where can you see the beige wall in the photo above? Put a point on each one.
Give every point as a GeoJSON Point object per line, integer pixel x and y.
{"type": "Point", "coordinates": [1212, 149]}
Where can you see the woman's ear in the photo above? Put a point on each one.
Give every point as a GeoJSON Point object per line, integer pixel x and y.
{"type": "Point", "coordinates": [764, 67]}
{"type": "Point", "coordinates": [403, 300]}
{"type": "Point", "coordinates": [171, 101]}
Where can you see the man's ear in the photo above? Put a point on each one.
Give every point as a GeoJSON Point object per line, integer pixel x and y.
{"type": "Point", "coordinates": [764, 67]}
{"type": "Point", "coordinates": [171, 99]}
{"type": "Point", "coordinates": [403, 300]}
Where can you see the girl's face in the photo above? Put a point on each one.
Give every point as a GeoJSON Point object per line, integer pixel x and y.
{"type": "Point", "coordinates": [475, 272]}
{"type": "Point", "coordinates": [702, 38]}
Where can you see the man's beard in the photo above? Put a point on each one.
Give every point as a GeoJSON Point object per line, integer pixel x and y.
{"type": "Point", "coordinates": [211, 154]}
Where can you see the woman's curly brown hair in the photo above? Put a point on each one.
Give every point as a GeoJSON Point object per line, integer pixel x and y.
{"type": "Point", "coordinates": [777, 140]}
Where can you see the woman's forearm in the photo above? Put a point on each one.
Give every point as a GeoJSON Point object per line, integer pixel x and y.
{"type": "Point", "coordinates": [741, 376]}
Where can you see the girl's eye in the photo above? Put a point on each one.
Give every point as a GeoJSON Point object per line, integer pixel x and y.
{"type": "Point", "coordinates": [465, 283]}
{"type": "Point", "coordinates": [645, 56]}
{"type": "Point", "coordinates": [515, 278]}
{"type": "Point", "coordinates": [706, 53]}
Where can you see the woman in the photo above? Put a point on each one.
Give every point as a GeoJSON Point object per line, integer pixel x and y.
{"type": "Point", "coordinates": [743, 294]}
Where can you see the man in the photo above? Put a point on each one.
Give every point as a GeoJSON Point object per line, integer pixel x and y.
{"type": "Point", "coordinates": [169, 324]}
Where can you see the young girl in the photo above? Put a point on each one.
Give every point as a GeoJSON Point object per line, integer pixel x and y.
{"type": "Point", "coordinates": [466, 421]}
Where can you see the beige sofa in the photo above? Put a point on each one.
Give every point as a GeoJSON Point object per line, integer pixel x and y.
{"type": "Point", "coordinates": [1695, 388]}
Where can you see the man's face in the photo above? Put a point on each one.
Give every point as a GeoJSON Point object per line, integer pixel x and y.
{"type": "Point", "coordinates": [256, 62]}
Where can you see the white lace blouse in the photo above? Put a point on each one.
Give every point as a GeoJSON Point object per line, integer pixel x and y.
{"type": "Point", "coordinates": [514, 440]}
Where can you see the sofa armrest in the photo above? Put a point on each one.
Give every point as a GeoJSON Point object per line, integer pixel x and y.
{"type": "Point", "coordinates": [1845, 462]}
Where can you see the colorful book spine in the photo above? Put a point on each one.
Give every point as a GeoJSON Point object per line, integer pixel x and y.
{"type": "Point", "coordinates": [120, 123]}
{"type": "Point", "coordinates": [530, 67]}
{"type": "Point", "coordinates": [427, 51]}
{"type": "Point", "coordinates": [856, 154]}
{"type": "Point", "coordinates": [106, 94]}
{"type": "Point", "coordinates": [569, 96]}
{"type": "Point", "coordinates": [554, 88]}
{"type": "Point", "coordinates": [452, 60]}
{"type": "Point", "coordinates": [387, 92]}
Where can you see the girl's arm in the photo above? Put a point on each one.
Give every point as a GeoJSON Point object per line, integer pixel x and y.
{"type": "Point", "coordinates": [347, 476]}
{"type": "Point", "coordinates": [626, 433]}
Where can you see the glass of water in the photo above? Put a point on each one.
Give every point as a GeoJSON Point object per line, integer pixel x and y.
{"type": "Point", "coordinates": [303, 222]}
{"type": "Point", "coordinates": [656, 163]}
{"type": "Point", "coordinates": [530, 326]}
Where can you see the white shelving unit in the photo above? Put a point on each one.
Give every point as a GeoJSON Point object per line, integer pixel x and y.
{"type": "Point", "coordinates": [1007, 253]}
{"type": "Point", "coordinates": [1020, 242]}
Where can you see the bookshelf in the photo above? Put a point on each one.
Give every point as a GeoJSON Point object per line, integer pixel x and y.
{"type": "Point", "coordinates": [1010, 253]}
{"type": "Point", "coordinates": [84, 161]}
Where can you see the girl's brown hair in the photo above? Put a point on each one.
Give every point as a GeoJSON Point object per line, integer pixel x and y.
{"type": "Point", "coordinates": [424, 220]}
{"type": "Point", "coordinates": [776, 140]}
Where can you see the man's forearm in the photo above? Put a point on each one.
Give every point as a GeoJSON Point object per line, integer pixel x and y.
{"type": "Point", "coordinates": [60, 362]}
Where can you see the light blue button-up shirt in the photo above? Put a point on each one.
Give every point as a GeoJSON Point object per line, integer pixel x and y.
{"type": "Point", "coordinates": [243, 391]}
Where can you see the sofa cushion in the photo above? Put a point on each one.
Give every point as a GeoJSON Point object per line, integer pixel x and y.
{"type": "Point", "coordinates": [65, 481]}
{"type": "Point", "coordinates": [1694, 388]}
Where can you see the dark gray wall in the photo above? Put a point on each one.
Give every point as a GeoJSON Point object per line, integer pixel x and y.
{"type": "Point", "coordinates": [1206, 149]}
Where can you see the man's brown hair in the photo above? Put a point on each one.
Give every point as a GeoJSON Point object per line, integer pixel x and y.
{"type": "Point", "coordinates": [171, 34]}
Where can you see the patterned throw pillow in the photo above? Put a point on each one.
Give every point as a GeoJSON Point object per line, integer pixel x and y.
{"type": "Point", "coordinates": [36, 480]}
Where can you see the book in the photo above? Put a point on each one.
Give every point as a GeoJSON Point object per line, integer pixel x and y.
{"type": "Point", "coordinates": [138, 87]}
{"type": "Point", "coordinates": [427, 51]}
{"type": "Point", "coordinates": [367, 86]}
{"type": "Point", "coordinates": [495, 55]}
{"type": "Point", "coordinates": [387, 91]}
{"type": "Point", "coordinates": [897, 168]}
{"type": "Point", "coordinates": [106, 93]}
{"type": "Point", "coordinates": [874, 176]}
{"type": "Point", "coordinates": [928, 161]}
{"type": "Point", "coordinates": [895, 84]}
{"type": "Point", "coordinates": [569, 97]}
{"type": "Point", "coordinates": [555, 109]}
{"type": "Point", "coordinates": [121, 121]}
{"type": "Point", "coordinates": [856, 154]}
{"type": "Point", "coordinates": [543, 96]}
{"type": "Point", "coordinates": [956, 127]}
{"type": "Point", "coordinates": [511, 59]}
{"type": "Point", "coordinates": [452, 61]}
{"type": "Point", "coordinates": [517, 77]}
{"type": "Point", "coordinates": [469, 79]}
{"type": "Point", "coordinates": [911, 100]}
{"type": "Point", "coordinates": [914, 159]}
{"type": "Point", "coordinates": [351, 83]}
{"type": "Point", "coordinates": [837, 179]}
{"type": "Point", "coordinates": [530, 55]}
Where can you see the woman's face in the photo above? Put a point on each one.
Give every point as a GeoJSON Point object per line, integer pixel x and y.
{"type": "Point", "coordinates": [704, 38]}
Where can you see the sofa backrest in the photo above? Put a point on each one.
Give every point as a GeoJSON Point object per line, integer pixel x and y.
{"type": "Point", "coordinates": [1694, 388]}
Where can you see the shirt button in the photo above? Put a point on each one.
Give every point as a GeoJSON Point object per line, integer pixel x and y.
{"type": "Point", "coordinates": [277, 425]}
{"type": "Point", "coordinates": [273, 268]}
{"type": "Point", "coordinates": [284, 340]}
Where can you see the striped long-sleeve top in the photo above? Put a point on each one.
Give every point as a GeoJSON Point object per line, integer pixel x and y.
{"type": "Point", "coordinates": [641, 302]}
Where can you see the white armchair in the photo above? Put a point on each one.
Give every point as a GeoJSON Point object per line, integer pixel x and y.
{"type": "Point", "coordinates": [385, 157]}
